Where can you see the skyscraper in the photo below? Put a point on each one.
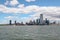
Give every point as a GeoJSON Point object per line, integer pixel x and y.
{"type": "Point", "coordinates": [41, 18]}
{"type": "Point", "coordinates": [10, 22]}
{"type": "Point", "coordinates": [15, 23]}
{"type": "Point", "coordinates": [47, 21]}
{"type": "Point", "coordinates": [37, 21]}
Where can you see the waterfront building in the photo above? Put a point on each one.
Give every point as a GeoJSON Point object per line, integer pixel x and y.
{"type": "Point", "coordinates": [10, 22]}
{"type": "Point", "coordinates": [34, 22]}
{"type": "Point", "coordinates": [41, 18]}
{"type": "Point", "coordinates": [15, 23]}
{"type": "Point", "coordinates": [37, 21]}
{"type": "Point", "coordinates": [31, 22]}
{"type": "Point", "coordinates": [46, 21]}
{"type": "Point", "coordinates": [21, 23]}
{"type": "Point", "coordinates": [54, 22]}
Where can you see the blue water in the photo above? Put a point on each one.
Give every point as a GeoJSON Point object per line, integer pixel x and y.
{"type": "Point", "coordinates": [51, 32]}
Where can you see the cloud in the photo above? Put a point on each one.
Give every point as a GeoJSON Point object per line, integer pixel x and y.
{"type": "Point", "coordinates": [32, 8]}
{"type": "Point", "coordinates": [52, 13]}
{"type": "Point", "coordinates": [11, 2]}
{"type": "Point", "coordinates": [20, 9]}
{"type": "Point", "coordinates": [14, 2]}
{"type": "Point", "coordinates": [6, 3]}
{"type": "Point", "coordinates": [9, 17]}
{"type": "Point", "coordinates": [21, 6]}
{"type": "Point", "coordinates": [30, 0]}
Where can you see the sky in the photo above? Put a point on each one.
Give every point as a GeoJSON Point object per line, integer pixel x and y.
{"type": "Point", "coordinates": [26, 10]}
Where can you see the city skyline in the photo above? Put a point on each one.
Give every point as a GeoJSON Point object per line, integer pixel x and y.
{"type": "Point", "coordinates": [38, 21]}
{"type": "Point", "coordinates": [26, 10]}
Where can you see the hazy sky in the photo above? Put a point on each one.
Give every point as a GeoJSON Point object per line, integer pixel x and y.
{"type": "Point", "coordinates": [25, 10]}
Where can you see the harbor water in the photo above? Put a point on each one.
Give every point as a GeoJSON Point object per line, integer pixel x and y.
{"type": "Point", "coordinates": [33, 32]}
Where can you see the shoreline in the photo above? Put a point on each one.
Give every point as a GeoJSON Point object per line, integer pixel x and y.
{"type": "Point", "coordinates": [26, 25]}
